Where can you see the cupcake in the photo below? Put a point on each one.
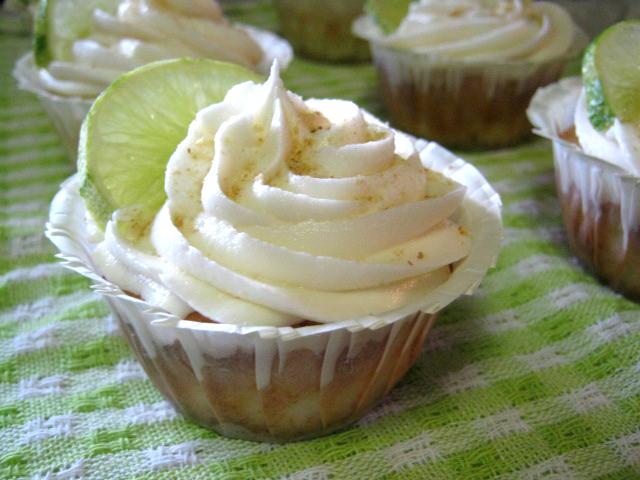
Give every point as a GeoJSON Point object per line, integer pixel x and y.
{"type": "Point", "coordinates": [73, 62]}
{"type": "Point", "coordinates": [297, 261]}
{"type": "Point", "coordinates": [462, 72]}
{"type": "Point", "coordinates": [597, 165]}
{"type": "Point", "coordinates": [322, 31]}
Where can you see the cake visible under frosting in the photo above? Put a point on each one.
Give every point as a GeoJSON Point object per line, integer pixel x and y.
{"type": "Point", "coordinates": [280, 210]}
{"type": "Point", "coordinates": [144, 31]}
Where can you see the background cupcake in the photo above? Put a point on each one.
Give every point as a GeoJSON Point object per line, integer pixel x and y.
{"type": "Point", "coordinates": [462, 72]}
{"type": "Point", "coordinates": [81, 47]}
{"type": "Point", "coordinates": [322, 31]}
{"type": "Point", "coordinates": [593, 123]}
{"type": "Point", "coordinates": [296, 263]}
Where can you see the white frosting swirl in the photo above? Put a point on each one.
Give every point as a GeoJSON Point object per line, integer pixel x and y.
{"type": "Point", "coordinates": [619, 145]}
{"type": "Point", "coordinates": [476, 30]}
{"type": "Point", "coordinates": [281, 210]}
{"type": "Point", "coordinates": [144, 31]}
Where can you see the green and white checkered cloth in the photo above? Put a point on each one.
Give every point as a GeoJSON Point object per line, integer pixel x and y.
{"type": "Point", "coordinates": [537, 376]}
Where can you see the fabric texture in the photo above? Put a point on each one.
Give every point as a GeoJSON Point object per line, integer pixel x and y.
{"type": "Point", "coordinates": [536, 376]}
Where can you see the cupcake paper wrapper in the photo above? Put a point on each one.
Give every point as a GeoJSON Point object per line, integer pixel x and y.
{"type": "Point", "coordinates": [600, 201]}
{"type": "Point", "coordinates": [458, 102]}
{"type": "Point", "coordinates": [67, 113]}
{"type": "Point", "coordinates": [463, 104]}
{"type": "Point", "coordinates": [281, 384]}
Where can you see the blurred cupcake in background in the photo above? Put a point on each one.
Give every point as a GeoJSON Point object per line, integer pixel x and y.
{"type": "Point", "coordinates": [594, 124]}
{"type": "Point", "coordinates": [462, 72]}
{"type": "Point", "coordinates": [322, 31]}
{"type": "Point", "coordinates": [15, 16]}
{"type": "Point", "coordinates": [80, 47]}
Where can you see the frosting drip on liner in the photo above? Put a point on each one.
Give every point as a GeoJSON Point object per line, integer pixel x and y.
{"type": "Point", "coordinates": [143, 31]}
{"type": "Point", "coordinates": [619, 145]}
{"type": "Point", "coordinates": [474, 30]}
{"type": "Point", "coordinates": [281, 210]}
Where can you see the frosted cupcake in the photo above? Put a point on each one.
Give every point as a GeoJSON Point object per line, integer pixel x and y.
{"type": "Point", "coordinates": [69, 73]}
{"type": "Point", "coordinates": [323, 31]}
{"type": "Point", "coordinates": [295, 265]}
{"type": "Point", "coordinates": [462, 72]}
{"type": "Point", "coordinates": [597, 160]}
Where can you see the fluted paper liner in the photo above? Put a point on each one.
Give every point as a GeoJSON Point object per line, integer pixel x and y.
{"type": "Point", "coordinates": [284, 383]}
{"type": "Point", "coordinates": [460, 103]}
{"type": "Point", "coordinates": [600, 201]}
{"type": "Point", "coordinates": [67, 113]}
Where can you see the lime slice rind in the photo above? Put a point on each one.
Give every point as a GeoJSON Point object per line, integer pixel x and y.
{"type": "Point", "coordinates": [135, 125]}
{"type": "Point", "coordinates": [41, 53]}
{"type": "Point", "coordinates": [600, 114]}
{"type": "Point", "coordinates": [611, 76]}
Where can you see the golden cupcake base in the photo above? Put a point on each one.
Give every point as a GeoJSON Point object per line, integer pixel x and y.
{"type": "Point", "coordinates": [221, 393]}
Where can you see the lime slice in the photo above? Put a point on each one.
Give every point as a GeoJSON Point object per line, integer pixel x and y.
{"type": "Point", "coordinates": [58, 23]}
{"type": "Point", "coordinates": [388, 14]}
{"type": "Point", "coordinates": [133, 128]}
{"type": "Point", "coordinates": [611, 75]}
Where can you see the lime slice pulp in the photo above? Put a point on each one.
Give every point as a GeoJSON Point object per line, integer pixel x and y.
{"type": "Point", "coordinates": [133, 128]}
{"type": "Point", "coordinates": [58, 23]}
{"type": "Point", "coordinates": [611, 75]}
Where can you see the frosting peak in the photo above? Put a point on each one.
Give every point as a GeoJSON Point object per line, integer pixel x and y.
{"type": "Point", "coordinates": [281, 210]}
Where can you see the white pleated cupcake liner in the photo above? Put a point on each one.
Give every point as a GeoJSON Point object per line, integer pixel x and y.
{"type": "Point", "coordinates": [600, 201]}
{"type": "Point", "coordinates": [65, 113]}
{"type": "Point", "coordinates": [460, 102]}
{"type": "Point", "coordinates": [289, 382]}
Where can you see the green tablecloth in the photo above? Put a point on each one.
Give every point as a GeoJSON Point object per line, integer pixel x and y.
{"type": "Point", "coordinates": [537, 376]}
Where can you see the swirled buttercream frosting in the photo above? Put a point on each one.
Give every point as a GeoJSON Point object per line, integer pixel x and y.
{"type": "Point", "coordinates": [143, 31]}
{"type": "Point", "coordinates": [479, 30]}
{"type": "Point", "coordinates": [619, 144]}
{"type": "Point", "coordinates": [281, 210]}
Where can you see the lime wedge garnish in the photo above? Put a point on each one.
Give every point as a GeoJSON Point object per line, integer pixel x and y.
{"type": "Point", "coordinates": [611, 75]}
{"type": "Point", "coordinates": [58, 23]}
{"type": "Point", "coordinates": [133, 128]}
{"type": "Point", "coordinates": [388, 14]}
